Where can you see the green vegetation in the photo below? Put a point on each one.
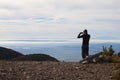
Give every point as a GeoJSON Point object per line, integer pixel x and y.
{"type": "Point", "coordinates": [115, 58]}
{"type": "Point", "coordinates": [109, 53]}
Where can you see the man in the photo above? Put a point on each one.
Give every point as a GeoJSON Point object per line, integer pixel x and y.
{"type": "Point", "coordinates": [85, 43]}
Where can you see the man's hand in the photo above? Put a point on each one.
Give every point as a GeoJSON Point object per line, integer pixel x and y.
{"type": "Point", "coordinates": [81, 32]}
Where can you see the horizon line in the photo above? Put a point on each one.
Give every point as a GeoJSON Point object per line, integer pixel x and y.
{"type": "Point", "coordinates": [57, 41]}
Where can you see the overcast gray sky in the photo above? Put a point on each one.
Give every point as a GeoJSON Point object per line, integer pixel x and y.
{"type": "Point", "coordinates": [46, 19]}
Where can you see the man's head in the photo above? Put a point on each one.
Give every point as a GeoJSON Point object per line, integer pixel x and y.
{"type": "Point", "coordinates": [85, 31]}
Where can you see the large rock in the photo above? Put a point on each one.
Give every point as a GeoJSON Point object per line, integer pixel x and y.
{"type": "Point", "coordinates": [96, 58]}
{"type": "Point", "coordinates": [8, 54]}
{"type": "Point", "coordinates": [35, 57]}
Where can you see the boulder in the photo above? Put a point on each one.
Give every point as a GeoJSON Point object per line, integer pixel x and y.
{"type": "Point", "coordinates": [96, 58]}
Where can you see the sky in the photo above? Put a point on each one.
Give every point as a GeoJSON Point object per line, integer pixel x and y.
{"type": "Point", "coordinates": [59, 19]}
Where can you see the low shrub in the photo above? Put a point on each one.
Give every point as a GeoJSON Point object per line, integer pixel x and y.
{"type": "Point", "coordinates": [108, 52]}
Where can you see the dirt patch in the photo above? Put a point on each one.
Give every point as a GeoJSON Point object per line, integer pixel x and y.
{"type": "Point", "coordinates": [19, 70]}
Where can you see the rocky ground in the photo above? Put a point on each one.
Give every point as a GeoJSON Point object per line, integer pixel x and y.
{"type": "Point", "coordinates": [19, 70]}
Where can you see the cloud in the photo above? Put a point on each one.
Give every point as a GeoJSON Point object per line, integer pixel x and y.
{"type": "Point", "coordinates": [59, 18]}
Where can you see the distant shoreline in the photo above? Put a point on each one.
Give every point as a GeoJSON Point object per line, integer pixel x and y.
{"type": "Point", "coordinates": [58, 41]}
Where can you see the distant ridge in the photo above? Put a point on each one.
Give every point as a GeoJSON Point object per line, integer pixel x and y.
{"type": "Point", "coordinates": [36, 57]}
{"type": "Point", "coordinates": [8, 54]}
{"type": "Point", "coordinates": [11, 55]}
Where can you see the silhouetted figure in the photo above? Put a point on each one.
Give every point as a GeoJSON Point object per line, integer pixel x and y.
{"type": "Point", "coordinates": [85, 43]}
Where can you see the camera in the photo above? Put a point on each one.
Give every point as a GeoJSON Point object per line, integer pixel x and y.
{"type": "Point", "coordinates": [81, 32]}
